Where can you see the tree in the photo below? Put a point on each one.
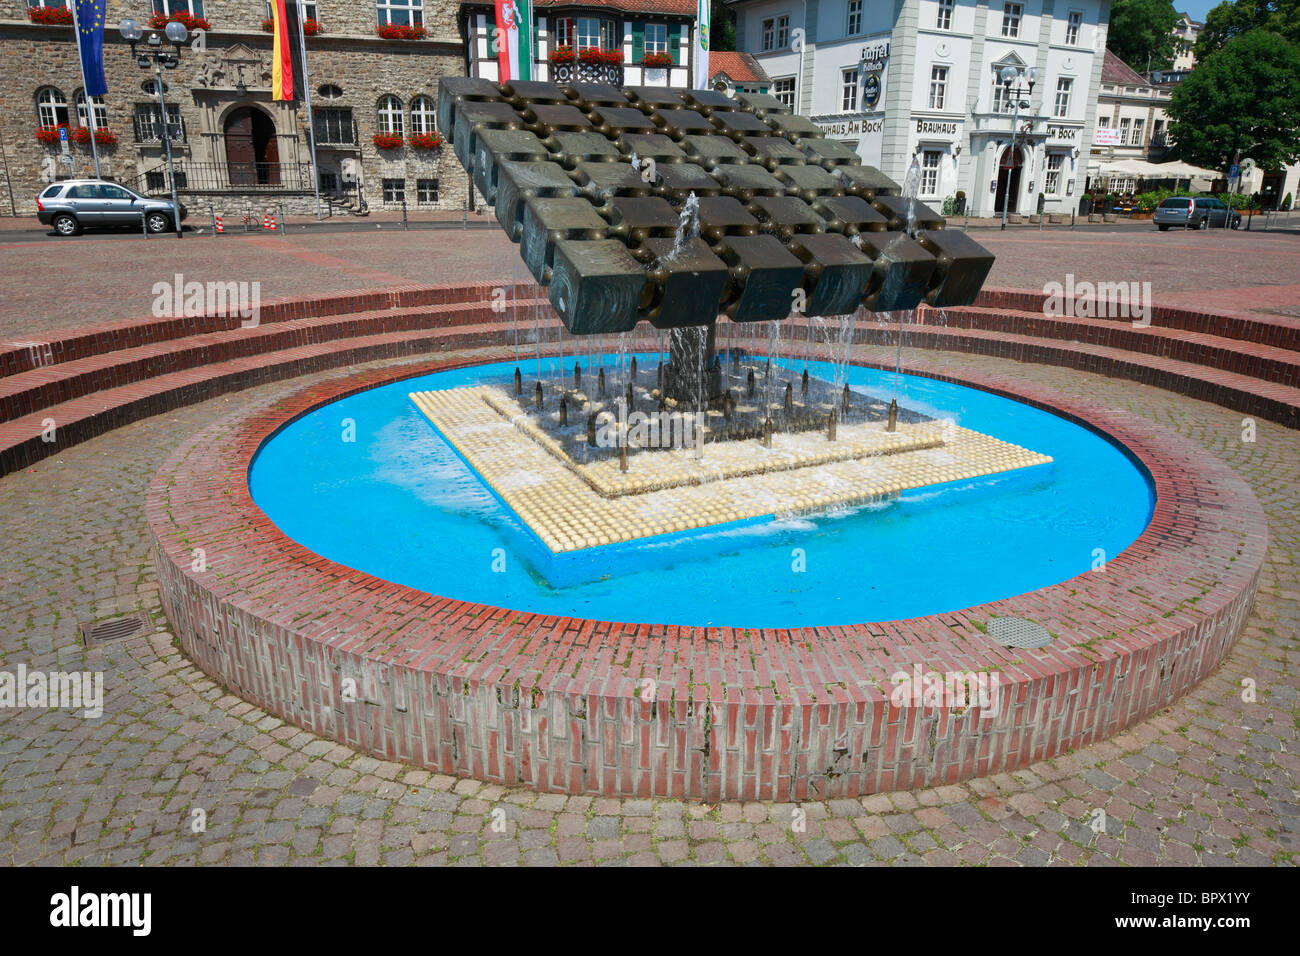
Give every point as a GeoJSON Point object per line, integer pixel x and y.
{"type": "Point", "coordinates": [1141, 31]}
{"type": "Point", "coordinates": [1245, 96]}
{"type": "Point", "coordinates": [1230, 19]}
{"type": "Point", "coordinates": [722, 26]}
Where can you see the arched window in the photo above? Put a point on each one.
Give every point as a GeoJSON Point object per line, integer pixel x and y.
{"type": "Point", "coordinates": [423, 115]}
{"type": "Point", "coordinates": [390, 115]}
{"type": "Point", "coordinates": [101, 111]}
{"type": "Point", "coordinates": [51, 107]}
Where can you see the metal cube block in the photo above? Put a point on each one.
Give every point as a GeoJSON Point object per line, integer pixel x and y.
{"type": "Point", "coordinates": [650, 98]}
{"type": "Point", "coordinates": [677, 181]}
{"type": "Point", "coordinates": [474, 116]}
{"type": "Point", "coordinates": [808, 182]}
{"type": "Point", "coordinates": [573, 148]}
{"type": "Point", "coordinates": [724, 216]}
{"type": "Point", "coordinates": [901, 271]}
{"type": "Point", "coordinates": [681, 122]}
{"type": "Point", "coordinates": [764, 275]}
{"type": "Point", "coordinates": [518, 182]}
{"type": "Point", "coordinates": [866, 181]}
{"type": "Point", "coordinates": [494, 146]}
{"type": "Point", "coordinates": [596, 286]}
{"type": "Point", "coordinates": [617, 120]}
{"type": "Point", "coordinates": [961, 266]}
{"type": "Point", "coordinates": [709, 101]}
{"type": "Point", "coordinates": [453, 90]}
{"type": "Point", "coordinates": [836, 273]}
{"type": "Point", "coordinates": [773, 151]}
{"type": "Point", "coordinates": [711, 151]}
{"type": "Point", "coordinates": [601, 182]}
{"type": "Point", "coordinates": [761, 104]}
{"type": "Point", "coordinates": [636, 219]}
{"type": "Point", "coordinates": [849, 215]}
{"type": "Point", "coordinates": [738, 125]}
{"type": "Point", "coordinates": [545, 119]}
{"type": "Point", "coordinates": [689, 282]}
{"type": "Point", "coordinates": [654, 146]}
{"type": "Point", "coordinates": [792, 127]}
{"type": "Point", "coordinates": [546, 222]}
{"type": "Point", "coordinates": [786, 216]}
{"type": "Point", "coordinates": [829, 153]}
{"type": "Point", "coordinates": [591, 95]}
{"type": "Point", "coordinates": [523, 92]}
{"type": "Point", "coordinates": [902, 213]}
{"type": "Point", "coordinates": [747, 181]}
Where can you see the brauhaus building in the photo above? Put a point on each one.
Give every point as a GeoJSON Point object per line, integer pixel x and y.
{"type": "Point", "coordinates": [919, 80]}
{"type": "Point", "coordinates": [236, 148]}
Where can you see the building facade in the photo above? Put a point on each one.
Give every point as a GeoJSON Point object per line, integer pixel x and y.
{"type": "Point", "coordinates": [1185, 31]}
{"type": "Point", "coordinates": [235, 148]}
{"type": "Point", "coordinates": [1131, 125]}
{"type": "Point", "coordinates": [914, 83]}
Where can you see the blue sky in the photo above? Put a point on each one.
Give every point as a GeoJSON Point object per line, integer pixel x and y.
{"type": "Point", "coordinates": [1196, 9]}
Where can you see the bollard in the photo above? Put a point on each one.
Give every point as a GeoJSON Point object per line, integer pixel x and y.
{"type": "Point", "coordinates": [519, 382]}
{"type": "Point", "coordinates": [789, 399]}
{"type": "Point", "coordinates": [283, 229]}
{"type": "Point", "coordinates": [628, 397]}
{"type": "Point", "coordinates": [591, 429]}
{"type": "Point", "coordinates": [404, 226]}
{"type": "Point", "coordinates": [537, 396]}
{"type": "Point", "coordinates": [215, 222]}
{"type": "Point", "coordinates": [564, 412]}
{"type": "Point", "coordinates": [844, 400]}
{"type": "Point", "coordinates": [805, 383]}
{"type": "Point", "coordinates": [1071, 218]}
{"type": "Point", "coordinates": [749, 384]}
{"type": "Point", "coordinates": [144, 225]}
{"type": "Point", "coordinates": [600, 383]}
{"type": "Point", "coordinates": [577, 376]}
{"type": "Point", "coordinates": [830, 426]}
{"type": "Point", "coordinates": [463, 217]}
{"type": "Point", "coordinates": [634, 367]}
{"type": "Point", "coordinates": [893, 416]}
{"type": "Point", "coordinates": [767, 432]}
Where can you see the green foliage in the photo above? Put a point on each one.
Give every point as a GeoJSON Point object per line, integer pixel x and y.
{"type": "Point", "coordinates": [1286, 203]}
{"type": "Point", "coordinates": [1244, 97]}
{"type": "Point", "coordinates": [950, 206]}
{"type": "Point", "coordinates": [1229, 20]}
{"type": "Point", "coordinates": [1148, 201]}
{"type": "Point", "coordinates": [722, 26]}
{"type": "Point", "coordinates": [1140, 29]}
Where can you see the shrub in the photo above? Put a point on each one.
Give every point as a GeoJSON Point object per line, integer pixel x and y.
{"type": "Point", "coordinates": [1286, 202]}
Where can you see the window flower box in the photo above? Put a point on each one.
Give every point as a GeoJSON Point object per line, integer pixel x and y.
{"type": "Point", "coordinates": [310, 27]}
{"type": "Point", "coordinates": [103, 137]}
{"type": "Point", "coordinates": [388, 140]}
{"type": "Point", "coordinates": [561, 55]}
{"type": "Point", "coordinates": [426, 141]}
{"type": "Point", "coordinates": [50, 16]}
{"type": "Point", "coordinates": [400, 31]}
{"type": "Point", "coordinates": [657, 61]}
{"type": "Point", "coordinates": [190, 22]}
{"type": "Point", "coordinates": [592, 56]}
{"type": "Point", "coordinates": [49, 135]}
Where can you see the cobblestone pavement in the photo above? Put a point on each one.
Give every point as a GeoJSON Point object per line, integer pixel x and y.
{"type": "Point", "coordinates": [1211, 780]}
{"type": "Point", "coordinates": [1210, 270]}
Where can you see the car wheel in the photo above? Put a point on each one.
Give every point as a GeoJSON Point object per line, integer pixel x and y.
{"type": "Point", "coordinates": [66, 225]}
{"type": "Point", "coordinates": [1236, 223]}
{"type": "Point", "coordinates": [158, 222]}
{"type": "Point", "coordinates": [1204, 223]}
{"type": "Point", "coordinates": [1162, 227]}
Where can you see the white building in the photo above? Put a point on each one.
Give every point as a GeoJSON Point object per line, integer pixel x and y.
{"type": "Point", "coordinates": [917, 80]}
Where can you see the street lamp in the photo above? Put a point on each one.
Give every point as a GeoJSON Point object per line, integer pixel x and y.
{"type": "Point", "coordinates": [1011, 85]}
{"type": "Point", "coordinates": [155, 55]}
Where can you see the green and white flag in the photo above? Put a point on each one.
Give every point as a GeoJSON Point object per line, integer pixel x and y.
{"type": "Point", "coordinates": [701, 45]}
{"type": "Point", "coordinates": [513, 40]}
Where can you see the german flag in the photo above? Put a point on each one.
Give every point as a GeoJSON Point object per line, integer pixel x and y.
{"type": "Point", "coordinates": [286, 78]}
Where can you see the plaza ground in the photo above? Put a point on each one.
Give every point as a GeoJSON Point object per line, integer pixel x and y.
{"type": "Point", "coordinates": [1211, 780]}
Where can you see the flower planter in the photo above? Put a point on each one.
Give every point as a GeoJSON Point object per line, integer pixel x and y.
{"type": "Point", "coordinates": [190, 22]}
{"type": "Point", "coordinates": [103, 137]}
{"type": "Point", "coordinates": [400, 31]}
{"type": "Point", "coordinates": [426, 142]}
{"type": "Point", "coordinates": [50, 16]}
{"type": "Point", "coordinates": [656, 75]}
{"type": "Point", "coordinates": [387, 141]}
{"type": "Point", "coordinates": [310, 27]}
{"type": "Point", "coordinates": [49, 135]}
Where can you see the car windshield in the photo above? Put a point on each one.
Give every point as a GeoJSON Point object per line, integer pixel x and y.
{"type": "Point", "coordinates": [1175, 204]}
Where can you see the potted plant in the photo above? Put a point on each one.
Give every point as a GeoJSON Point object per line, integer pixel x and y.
{"type": "Point", "coordinates": [400, 31]}
{"type": "Point", "coordinates": [561, 55]}
{"type": "Point", "coordinates": [49, 135]}
{"type": "Point", "coordinates": [103, 137]}
{"type": "Point", "coordinates": [190, 22]}
{"type": "Point", "coordinates": [50, 16]}
{"type": "Point", "coordinates": [310, 26]}
{"type": "Point", "coordinates": [387, 140]}
{"type": "Point", "coordinates": [653, 61]}
{"type": "Point", "coordinates": [426, 141]}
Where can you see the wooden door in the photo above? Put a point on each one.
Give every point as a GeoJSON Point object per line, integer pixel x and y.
{"type": "Point", "coordinates": [241, 158]}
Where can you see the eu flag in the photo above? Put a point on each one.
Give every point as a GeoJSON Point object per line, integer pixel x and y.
{"type": "Point", "coordinates": [90, 38]}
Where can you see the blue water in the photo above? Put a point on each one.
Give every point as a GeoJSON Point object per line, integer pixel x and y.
{"type": "Point", "coordinates": [399, 503]}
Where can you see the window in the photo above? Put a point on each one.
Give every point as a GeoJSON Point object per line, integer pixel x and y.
{"type": "Point", "coordinates": [155, 180]}
{"type": "Point", "coordinates": [930, 160]}
{"type": "Point", "coordinates": [334, 126]}
{"type": "Point", "coordinates": [52, 108]}
{"type": "Point", "coordinates": [329, 182]}
{"type": "Point", "coordinates": [849, 90]}
{"type": "Point", "coordinates": [1072, 23]}
{"type": "Point", "coordinates": [309, 9]}
{"type": "Point", "coordinates": [1138, 127]}
{"type": "Point", "coordinates": [330, 91]}
{"type": "Point", "coordinates": [194, 7]}
{"type": "Point", "coordinates": [426, 192]}
{"type": "Point", "coordinates": [113, 192]}
{"type": "Point", "coordinates": [776, 33]}
{"type": "Point", "coordinates": [409, 13]}
{"type": "Point", "coordinates": [783, 90]}
{"type": "Point", "coordinates": [1011, 19]}
{"type": "Point", "coordinates": [583, 33]}
{"type": "Point", "coordinates": [656, 38]}
{"type": "Point", "coordinates": [423, 115]}
{"type": "Point", "coordinates": [150, 88]}
{"type": "Point", "coordinates": [1063, 87]}
{"type": "Point", "coordinates": [1053, 183]}
{"type": "Point", "coordinates": [1001, 96]}
{"type": "Point", "coordinates": [1103, 122]}
{"type": "Point", "coordinates": [394, 190]}
{"type": "Point", "coordinates": [944, 20]}
{"type": "Point", "coordinates": [148, 123]}
{"type": "Point", "coordinates": [1124, 124]}
{"type": "Point", "coordinates": [390, 115]}
{"type": "Point", "coordinates": [101, 111]}
{"type": "Point", "coordinates": [854, 19]}
{"type": "Point", "coordinates": [938, 87]}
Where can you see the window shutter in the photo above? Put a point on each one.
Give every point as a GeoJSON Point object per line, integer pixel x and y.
{"type": "Point", "coordinates": [675, 42]}
{"type": "Point", "coordinates": [638, 42]}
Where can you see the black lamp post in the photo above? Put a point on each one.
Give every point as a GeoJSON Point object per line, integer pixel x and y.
{"type": "Point", "coordinates": [154, 54]}
{"type": "Point", "coordinates": [1011, 77]}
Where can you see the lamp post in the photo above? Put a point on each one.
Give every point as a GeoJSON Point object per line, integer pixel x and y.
{"type": "Point", "coordinates": [1011, 77]}
{"type": "Point", "coordinates": [156, 56]}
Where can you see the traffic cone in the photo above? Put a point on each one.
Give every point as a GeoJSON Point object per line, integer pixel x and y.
{"type": "Point", "coordinates": [266, 220]}
{"type": "Point", "coordinates": [273, 223]}
{"type": "Point", "coordinates": [220, 227]}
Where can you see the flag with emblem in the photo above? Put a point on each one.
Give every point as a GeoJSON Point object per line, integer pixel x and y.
{"type": "Point", "coordinates": [513, 39]}
{"type": "Point", "coordinates": [90, 41]}
{"type": "Point", "coordinates": [702, 27]}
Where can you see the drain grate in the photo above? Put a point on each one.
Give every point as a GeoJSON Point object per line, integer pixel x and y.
{"type": "Point", "coordinates": [1018, 632]}
{"type": "Point", "coordinates": [99, 632]}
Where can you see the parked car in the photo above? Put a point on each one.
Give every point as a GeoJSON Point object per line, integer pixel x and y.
{"type": "Point", "coordinates": [1193, 212]}
{"type": "Point", "coordinates": [72, 205]}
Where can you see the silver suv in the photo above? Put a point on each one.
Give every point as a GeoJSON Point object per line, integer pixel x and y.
{"type": "Point", "coordinates": [71, 205]}
{"type": "Point", "coordinates": [1200, 212]}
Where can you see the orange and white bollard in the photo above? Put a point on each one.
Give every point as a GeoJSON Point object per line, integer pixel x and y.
{"type": "Point", "coordinates": [272, 223]}
{"type": "Point", "coordinates": [266, 220]}
{"type": "Point", "coordinates": [220, 227]}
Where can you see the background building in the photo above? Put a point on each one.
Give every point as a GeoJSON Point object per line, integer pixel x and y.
{"type": "Point", "coordinates": [916, 81]}
{"type": "Point", "coordinates": [237, 148]}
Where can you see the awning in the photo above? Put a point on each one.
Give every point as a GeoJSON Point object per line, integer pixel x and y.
{"type": "Point", "coordinates": [1141, 169]}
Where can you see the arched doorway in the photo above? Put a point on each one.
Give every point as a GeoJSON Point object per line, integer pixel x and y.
{"type": "Point", "coordinates": [252, 155]}
{"type": "Point", "coordinates": [1009, 164]}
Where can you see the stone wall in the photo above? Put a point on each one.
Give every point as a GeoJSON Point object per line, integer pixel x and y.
{"type": "Point", "coordinates": [348, 55]}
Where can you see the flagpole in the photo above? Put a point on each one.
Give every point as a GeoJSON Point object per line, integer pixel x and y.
{"type": "Point", "coordinates": [90, 103]}
{"type": "Point", "coordinates": [306, 95]}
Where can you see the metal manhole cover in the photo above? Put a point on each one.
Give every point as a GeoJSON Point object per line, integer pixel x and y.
{"type": "Point", "coordinates": [1018, 632]}
{"type": "Point", "coordinates": [99, 632]}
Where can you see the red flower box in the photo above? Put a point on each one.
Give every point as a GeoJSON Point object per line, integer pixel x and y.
{"type": "Point", "coordinates": [388, 140]}
{"type": "Point", "coordinates": [50, 16]}
{"type": "Point", "coordinates": [597, 57]}
{"type": "Point", "coordinates": [310, 27]}
{"type": "Point", "coordinates": [561, 55]}
{"type": "Point", "coordinates": [400, 31]}
{"type": "Point", "coordinates": [48, 135]}
{"type": "Point", "coordinates": [81, 136]}
{"type": "Point", "coordinates": [426, 141]}
{"type": "Point", "coordinates": [657, 60]}
{"type": "Point", "coordinates": [190, 22]}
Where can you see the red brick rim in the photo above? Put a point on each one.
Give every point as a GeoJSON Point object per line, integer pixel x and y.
{"type": "Point", "coordinates": [516, 697]}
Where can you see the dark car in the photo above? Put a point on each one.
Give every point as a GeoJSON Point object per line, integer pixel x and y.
{"type": "Point", "coordinates": [1193, 212]}
{"type": "Point", "coordinates": [72, 205]}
